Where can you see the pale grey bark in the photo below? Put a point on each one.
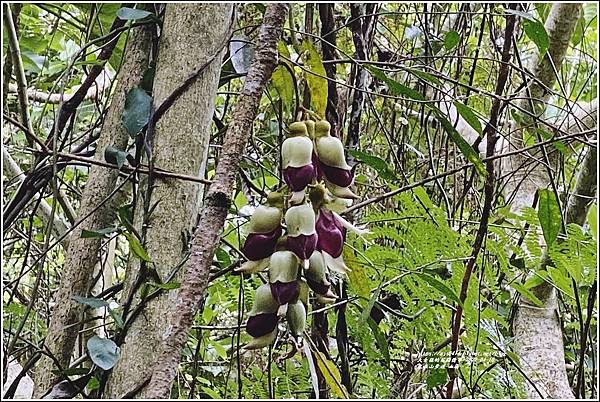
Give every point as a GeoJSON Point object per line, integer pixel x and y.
{"type": "Point", "coordinates": [83, 254]}
{"type": "Point", "coordinates": [529, 173]}
{"type": "Point", "coordinates": [537, 331]}
{"type": "Point", "coordinates": [192, 35]}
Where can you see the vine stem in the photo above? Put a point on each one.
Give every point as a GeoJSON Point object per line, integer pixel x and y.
{"type": "Point", "coordinates": [490, 132]}
{"type": "Point", "coordinates": [216, 205]}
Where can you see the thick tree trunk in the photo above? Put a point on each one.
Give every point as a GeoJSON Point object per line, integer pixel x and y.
{"type": "Point", "coordinates": [537, 332]}
{"type": "Point", "coordinates": [84, 254]}
{"type": "Point", "coordinates": [193, 34]}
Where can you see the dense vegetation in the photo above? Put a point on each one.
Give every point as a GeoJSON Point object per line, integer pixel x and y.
{"type": "Point", "coordinates": [426, 76]}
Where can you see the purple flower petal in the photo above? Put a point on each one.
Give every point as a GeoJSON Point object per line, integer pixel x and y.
{"type": "Point", "coordinates": [331, 233]}
{"type": "Point", "coordinates": [302, 245]}
{"type": "Point", "coordinates": [285, 292]}
{"type": "Point", "coordinates": [297, 178]}
{"type": "Point", "coordinates": [338, 176]}
{"type": "Point", "coordinates": [318, 287]}
{"type": "Point", "coordinates": [261, 324]}
{"type": "Point", "coordinates": [261, 245]}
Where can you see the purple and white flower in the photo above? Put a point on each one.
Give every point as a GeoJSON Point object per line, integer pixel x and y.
{"type": "Point", "coordinates": [296, 155]}
{"type": "Point", "coordinates": [302, 236]}
{"type": "Point", "coordinates": [264, 232]}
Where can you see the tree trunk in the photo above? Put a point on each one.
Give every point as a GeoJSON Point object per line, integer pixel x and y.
{"type": "Point", "coordinates": [193, 34]}
{"type": "Point", "coordinates": [218, 200]}
{"type": "Point", "coordinates": [84, 254]}
{"type": "Point", "coordinates": [537, 332]}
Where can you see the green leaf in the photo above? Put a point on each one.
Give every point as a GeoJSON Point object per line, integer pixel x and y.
{"type": "Point", "coordinates": [561, 280]}
{"type": "Point", "coordinates": [167, 286]}
{"type": "Point", "coordinates": [423, 197]}
{"type": "Point", "coordinates": [136, 247]}
{"type": "Point", "coordinates": [451, 39]}
{"type": "Point", "coordinates": [439, 285]}
{"type": "Point", "coordinates": [103, 352]}
{"type": "Point", "coordinates": [331, 374]}
{"type": "Point", "coordinates": [470, 117]}
{"type": "Point", "coordinates": [90, 301]}
{"type": "Point", "coordinates": [537, 33]}
{"type": "Point", "coordinates": [284, 85]}
{"type": "Point", "coordinates": [115, 156]}
{"type": "Point", "coordinates": [357, 279]}
{"type": "Point", "coordinates": [549, 215]}
{"type": "Point", "coordinates": [211, 392]}
{"type": "Point", "coordinates": [219, 349]}
{"type": "Point", "coordinates": [376, 163]}
{"type": "Point", "coordinates": [592, 220]}
{"type": "Point", "coordinates": [93, 384]}
{"type": "Point", "coordinates": [425, 76]}
{"type": "Point", "coordinates": [579, 31]}
{"type": "Point", "coordinates": [366, 312]}
{"type": "Point", "coordinates": [117, 317]}
{"type": "Point", "coordinates": [138, 106]}
{"type": "Point", "coordinates": [514, 358]}
{"type": "Point", "coordinates": [536, 280]}
{"type": "Point", "coordinates": [396, 88]}
{"type": "Point", "coordinates": [89, 234]}
{"type": "Point", "coordinates": [125, 214]}
{"type": "Point", "coordinates": [380, 340]}
{"type": "Point", "coordinates": [436, 378]}
{"type": "Point", "coordinates": [126, 13]}
{"type": "Point", "coordinates": [528, 294]}
{"type": "Point", "coordinates": [317, 84]}
{"type": "Point", "coordinates": [466, 149]}
{"type": "Point", "coordinates": [223, 257]}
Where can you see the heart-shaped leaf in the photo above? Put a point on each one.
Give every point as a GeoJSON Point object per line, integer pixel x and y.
{"type": "Point", "coordinates": [103, 352]}
{"type": "Point", "coordinates": [138, 106]}
{"type": "Point", "coordinates": [126, 13]}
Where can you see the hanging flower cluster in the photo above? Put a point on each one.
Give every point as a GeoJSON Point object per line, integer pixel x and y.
{"type": "Point", "coordinates": [313, 162]}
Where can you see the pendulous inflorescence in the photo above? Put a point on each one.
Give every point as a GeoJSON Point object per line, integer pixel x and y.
{"type": "Point", "coordinates": [301, 257]}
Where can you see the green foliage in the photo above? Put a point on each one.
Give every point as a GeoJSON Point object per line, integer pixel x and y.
{"type": "Point", "coordinates": [469, 115]}
{"type": "Point", "coordinates": [138, 106]}
{"type": "Point", "coordinates": [537, 33]}
{"type": "Point", "coordinates": [315, 78]}
{"type": "Point", "coordinates": [381, 166]}
{"type": "Point", "coordinates": [451, 39]}
{"type": "Point", "coordinates": [103, 352]}
{"type": "Point", "coordinates": [549, 215]}
{"type": "Point", "coordinates": [421, 238]}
